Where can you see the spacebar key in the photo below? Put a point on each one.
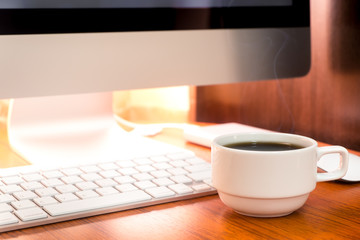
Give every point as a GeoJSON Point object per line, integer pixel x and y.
{"type": "Point", "coordinates": [96, 203]}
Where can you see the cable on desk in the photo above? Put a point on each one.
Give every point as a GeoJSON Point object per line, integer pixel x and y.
{"type": "Point", "coordinates": [150, 129]}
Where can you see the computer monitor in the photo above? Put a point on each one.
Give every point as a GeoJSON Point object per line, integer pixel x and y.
{"type": "Point", "coordinates": [52, 47]}
{"type": "Point", "coordinates": [59, 48]}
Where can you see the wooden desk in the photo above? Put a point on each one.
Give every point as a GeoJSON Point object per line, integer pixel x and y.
{"type": "Point", "coordinates": [331, 212]}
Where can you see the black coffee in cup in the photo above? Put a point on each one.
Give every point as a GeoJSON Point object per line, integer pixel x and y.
{"type": "Point", "coordinates": [264, 146]}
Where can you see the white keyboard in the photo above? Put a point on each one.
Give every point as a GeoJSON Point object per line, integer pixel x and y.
{"type": "Point", "coordinates": [31, 196]}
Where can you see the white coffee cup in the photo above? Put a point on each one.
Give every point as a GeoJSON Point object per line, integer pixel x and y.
{"type": "Point", "coordinates": [269, 183]}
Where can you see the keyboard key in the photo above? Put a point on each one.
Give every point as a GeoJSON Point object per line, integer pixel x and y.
{"type": "Point", "coordinates": [106, 191]}
{"type": "Point", "coordinates": [33, 177]}
{"type": "Point", "coordinates": [31, 185]}
{"type": "Point", "coordinates": [106, 182]}
{"type": "Point", "coordinates": [97, 203]}
{"type": "Point", "coordinates": [42, 201]}
{"type": "Point", "coordinates": [144, 184]}
{"type": "Point", "coordinates": [109, 174]}
{"type": "Point", "coordinates": [44, 192]}
{"type": "Point", "coordinates": [199, 176]}
{"type": "Point", "coordinates": [160, 192]}
{"type": "Point", "coordinates": [24, 195]}
{"type": "Point", "coordinates": [126, 187]}
{"type": "Point", "coordinates": [10, 188]}
{"type": "Point", "coordinates": [31, 214]}
{"type": "Point", "coordinates": [30, 169]}
{"type": "Point", "coordinates": [12, 180]}
{"type": "Point", "coordinates": [6, 198]}
{"type": "Point", "coordinates": [8, 172]}
{"type": "Point", "coordinates": [162, 181]}
{"type": "Point", "coordinates": [8, 218]}
{"type": "Point", "coordinates": [208, 182]}
{"type": "Point", "coordinates": [128, 171]}
{"type": "Point", "coordinates": [90, 176]}
{"type": "Point", "coordinates": [179, 163]}
{"type": "Point", "coordinates": [22, 204]}
{"type": "Point", "coordinates": [177, 171]}
{"type": "Point", "coordinates": [162, 166]}
{"type": "Point", "coordinates": [181, 179]}
{"type": "Point", "coordinates": [71, 179]}
{"type": "Point", "coordinates": [145, 168]}
{"type": "Point", "coordinates": [86, 194]}
{"type": "Point", "coordinates": [124, 179]}
{"type": "Point", "coordinates": [126, 164]}
{"type": "Point", "coordinates": [52, 182]}
{"type": "Point", "coordinates": [68, 188]}
{"type": "Point", "coordinates": [142, 176]}
{"type": "Point", "coordinates": [4, 207]}
{"type": "Point", "coordinates": [181, 188]}
{"type": "Point", "coordinates": [160, 174]}
{"type": "Point", "coordinates": [86, 185]}
{"type": "Point", "coordinates": [198, 167]}
{"type": "Point", "coordinates": [201, 187]}
{"type": "Point", "coordinates": [66, 197]}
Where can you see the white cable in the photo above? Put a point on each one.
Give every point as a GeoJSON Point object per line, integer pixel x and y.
{"type": "Point", "coordinates": [151, 128]}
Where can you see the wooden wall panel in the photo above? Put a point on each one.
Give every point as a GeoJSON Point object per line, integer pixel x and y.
{"type": "Point", "coordinates": [324, 105]}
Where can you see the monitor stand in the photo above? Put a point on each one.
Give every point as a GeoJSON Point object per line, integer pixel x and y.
{"type": "Point", "coordinates": [72, 129]}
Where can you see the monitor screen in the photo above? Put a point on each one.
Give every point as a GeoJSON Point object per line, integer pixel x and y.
{"type": "Point", "coordinates": [35, 16]}
{"type": "Point", "coordinates": [72, 46]}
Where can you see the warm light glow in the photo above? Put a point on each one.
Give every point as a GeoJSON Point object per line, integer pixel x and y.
{"type": "Point", "coordinates": [158, 105]}
{"type": "Point", "coordinates": [4, 109]}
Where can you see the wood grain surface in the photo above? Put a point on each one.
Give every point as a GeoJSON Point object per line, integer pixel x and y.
{"type": "Point", "coordinates": [331, 212]}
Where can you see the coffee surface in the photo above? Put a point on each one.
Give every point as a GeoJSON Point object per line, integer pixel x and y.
{"type": "Point", "coordinates": [263, 146]}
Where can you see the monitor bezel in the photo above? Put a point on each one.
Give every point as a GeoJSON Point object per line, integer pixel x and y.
{"type": "Point", "coordinates": [85, 20]}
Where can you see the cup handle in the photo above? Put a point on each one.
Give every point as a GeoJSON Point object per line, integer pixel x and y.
{"type": "Point", "coordinates": [342, 168]}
